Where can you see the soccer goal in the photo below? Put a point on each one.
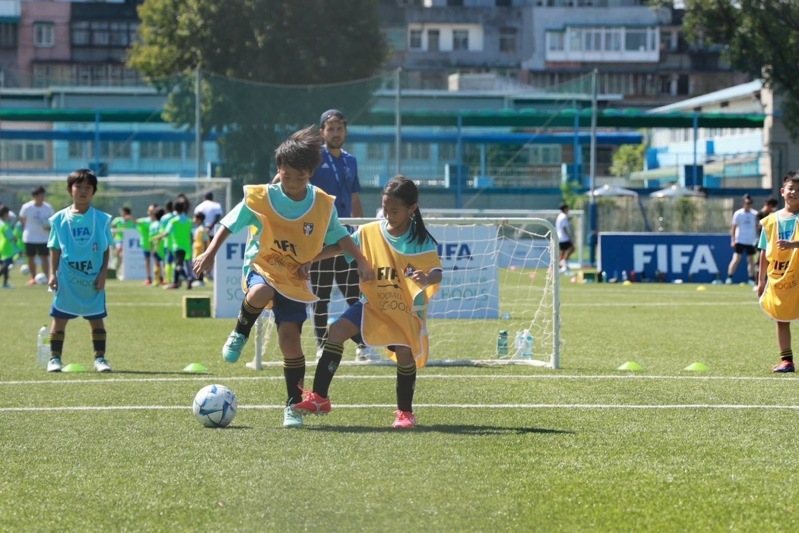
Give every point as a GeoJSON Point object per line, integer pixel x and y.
{"type": "Point", "coordinates": [500, 278]}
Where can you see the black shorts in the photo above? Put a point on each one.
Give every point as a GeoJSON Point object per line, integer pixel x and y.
{"type": "Point", "coordinates": [747, 249]}
{"type": "Point", "coordinates": [565, 245]}
{"type": "Point", "coordinates": [36, 248]}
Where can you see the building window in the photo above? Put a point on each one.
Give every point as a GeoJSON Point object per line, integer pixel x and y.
{"type": "Point", "coordinates": [29, 151]}
{"type": "Point", "coordinates": [101, 36]}
{"type": "Point", "coordinates": [415, 40]}
{"type": "Point", "coordinates": [81, 34]}
{"type": "Point", "coordinates": [433, 40]}
{"type": "Point", "coordinates": [503, 3]}
{"type": "Point", "coordinates": [374, 151]}
{"type": "Point", "coordinates": [555, 41]}
{"type": "Point", "coordinates": [43, 34]}
{"type": "Point", "coordinates": [460, 39]}
{"type": "Point", "coordinates": [507, 40]}
{"type": "Point", "coordinates": [635, 40]}
{"type": "Point", "coordinates": [8, 35]}
{"type": "Point", "coordinates": [77, 149]}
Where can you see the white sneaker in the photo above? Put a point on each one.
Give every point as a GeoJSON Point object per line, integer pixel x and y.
{"type": "Point", "coordinates": [54, 364]}
{"type": "Point", "coordinates": [367, 353]}
{"type": "Point", "coordinates": [291, 418]}
{"type": "Point", "coordinates": [101, 364]}
{"type": "Point", "coordinates": [728, 281]}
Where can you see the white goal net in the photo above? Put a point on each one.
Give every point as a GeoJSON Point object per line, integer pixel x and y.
{"type": "Point", "coordinates": [500, 279]}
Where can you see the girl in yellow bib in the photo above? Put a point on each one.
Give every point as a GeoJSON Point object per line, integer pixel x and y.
{"type": "Point", "coordinates": [393, 307]}
{"type": "Point", "coordinates": [291, 222]}
{"type": "Point", "coordinates": [778, 276]}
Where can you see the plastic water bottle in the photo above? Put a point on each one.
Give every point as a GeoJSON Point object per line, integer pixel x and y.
{"type": "Point", "coordinates": [526, 344]}
{"type": "Point", "coordinates": [43, 346]}
{"type": "Point", "coordinates": [502, 343]}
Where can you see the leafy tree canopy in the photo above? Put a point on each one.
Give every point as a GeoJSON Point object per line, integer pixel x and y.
{"type": "Point", "coordinates": [761, 38]}
{"type": "Point", "coordinates": [269, 66]}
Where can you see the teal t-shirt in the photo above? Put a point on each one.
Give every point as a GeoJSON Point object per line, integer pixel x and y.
{"type": "Point", "coordinates": [785, 228]}
{"type": "Point", "coordinates": [240, 217]}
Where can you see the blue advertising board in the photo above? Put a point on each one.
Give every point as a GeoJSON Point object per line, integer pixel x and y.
{"type": "Point", "coordinates": [696, 257]}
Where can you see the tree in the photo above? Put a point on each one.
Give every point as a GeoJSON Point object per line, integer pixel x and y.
{"type": "Point", "coordinates": [627, 159]}
{"type": "Point", "coordinates": [761, 38]}
{"type": "Point", "coordinates": [268, 67]}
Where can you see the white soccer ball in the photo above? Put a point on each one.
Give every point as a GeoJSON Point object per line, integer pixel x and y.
{"type": "Point", "coordinates": [40, 279]}
{"type": "Point", "coordinates": [215, 406]}
{"type": "Point", "coordinates": [24, 270]}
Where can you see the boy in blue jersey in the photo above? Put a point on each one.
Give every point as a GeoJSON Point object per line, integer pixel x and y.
{"type": "Point", "coordinates": [292, 221]}
{"type": "Point", "coordinates": [79, 241]}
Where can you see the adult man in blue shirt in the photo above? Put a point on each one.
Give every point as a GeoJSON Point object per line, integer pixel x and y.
{"type": "Point", "coordinates": [337, 175]}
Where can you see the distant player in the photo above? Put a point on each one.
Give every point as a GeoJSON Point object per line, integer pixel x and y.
{"type": "Point", "coordinates": [199, 241]}
{"type": "Point", "coordinates": [7, 245]}
{"type": "Point", "coordinates": [80, 237]}
{"type": "Point", "coordinates": [565, 237]}
{"type": "Point", "coordinates": [778, 279]}
{"type": "Point", "coordinates": [34, 217]}
{"type": "Point", "coordinates": [143, 226]}
{"type": "Point", "coordinates": [743, 237]}
{"type": "Point", "coordinates": [119, 224]}
{"type": "Point", "coordinates": [392, 309]}
{"type": "Point", "coordinates": [178, 236]}
{"type": "Point", "coordinates": [291, 222]}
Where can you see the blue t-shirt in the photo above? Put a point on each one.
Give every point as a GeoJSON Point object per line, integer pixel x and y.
{"type": "Point", "coordinates": [240, 217]}
{"type": "Point", "coordinates": [82, 239]}
{"type": "Point", "coordinates": [338, 176]}
{"type": "Point", "coordinates": [785, 229]}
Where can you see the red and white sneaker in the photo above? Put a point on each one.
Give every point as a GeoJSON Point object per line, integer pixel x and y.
{"type": "Point", "coordinates": [312, 404]}
{"type": "Point", "coordinates": [404, 420]}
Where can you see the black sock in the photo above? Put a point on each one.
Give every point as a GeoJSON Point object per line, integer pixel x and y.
{"type": "Point", "coordinates": [98, 342]}
{"type": "Point", "coordinates": [787, 355]}
{"type": "Point", "coordinates": [326, 367]}
{"type": "Point", "coordinates": [57, 343]}
{"type": "Point", "coordinates": [406, 383]}
{"type": "Point", "coordinates": [247, 317]}
{"type": "Point", "coordinates": [294, 374]}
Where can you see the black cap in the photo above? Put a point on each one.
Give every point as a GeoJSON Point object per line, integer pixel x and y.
{"type": "Point", "coordinates": [331, 113]}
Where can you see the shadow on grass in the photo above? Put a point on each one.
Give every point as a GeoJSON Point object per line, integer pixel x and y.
{"type": "Point", "coordinates": [441, 428]}
{"type": "Point", "coordinates": [160, 373]}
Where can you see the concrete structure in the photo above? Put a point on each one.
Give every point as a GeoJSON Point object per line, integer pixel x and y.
{"type": "Point", "coordinates": [729, 158]}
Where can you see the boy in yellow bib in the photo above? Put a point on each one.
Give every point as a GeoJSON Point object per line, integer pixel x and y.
{"type": "Point", "coordinates": [393, 307]}
{"type": "Point", "coordinates": [778, 276]}
{"type": "Point", "coordinates": [292, 221]}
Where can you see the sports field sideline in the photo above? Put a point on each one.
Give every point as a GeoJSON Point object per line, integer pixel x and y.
{"type": "Point", "coordinates": [583, 448]}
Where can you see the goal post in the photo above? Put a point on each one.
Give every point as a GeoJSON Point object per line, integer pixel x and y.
{"type": "Point", "coordinates": [500, 275]}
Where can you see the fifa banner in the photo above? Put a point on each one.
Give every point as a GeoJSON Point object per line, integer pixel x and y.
{"type": "Point", "coordinates": [132, 256]}
{"type": "Point", "coordinates": [227, 276]}
{"type": "Point", "coordinates": [470, 287]}
{"type": "Point", "coordinates": [696, 257]}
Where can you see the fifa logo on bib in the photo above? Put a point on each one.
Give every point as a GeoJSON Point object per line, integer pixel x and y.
{"type": "Point", "coordinates": [307, 228]}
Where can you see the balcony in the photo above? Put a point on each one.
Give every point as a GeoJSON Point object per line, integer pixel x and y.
{"type": "Point", "coordinates": [10, 10]}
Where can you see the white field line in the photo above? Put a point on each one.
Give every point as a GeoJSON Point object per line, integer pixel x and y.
{"type": "Point", "coordinates": [658, 304]}
{"type": "Point", "coordinates": [598, 406]}
{"type": "Point", "coordinates": [390, 376]}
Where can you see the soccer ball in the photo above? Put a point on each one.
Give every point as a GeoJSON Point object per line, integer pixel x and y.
{"type": "Point", "coordinates": [40, 279]}
{"type": "Point", "coordinates": [215, 406]}
{"type": "Point", "coordinates": [24, 270]}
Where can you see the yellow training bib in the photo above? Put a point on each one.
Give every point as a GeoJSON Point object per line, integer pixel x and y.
{"type": "Point", "coordinates": [389, 316]}
{"type": "Point", "coordinates": [285, 244]}
{"type": "Point", "coordinates": [780, 300]}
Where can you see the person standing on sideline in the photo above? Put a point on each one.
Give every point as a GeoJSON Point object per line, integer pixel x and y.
{"type": "Point", "coordinates": [289, 222]}
{"type": "Point", "coordinates": [7, 246]}
{"type": "Point", "coordinates": [779, 269]}
{"type": "Point", "coordinates": [80, 237]}
{"type": "Point", "coordinates": [565, 237]}
{"type": "Point", "coordinates": [35, 219]}
{"type": "Point", "coordinates": [743, 237]}
{"type": "Point", "coordinates": [119, 224]}
{"type": "Point", "coordinates": [406, 254]}
{"type": "Point", "coordinates": [769, 206]}
{"type": "Point", "coordinates": [143, 226]}
{"type": "Point", "coordinates": [337, 175]}
{"type": "Point", "coordinates": [212, 212]}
